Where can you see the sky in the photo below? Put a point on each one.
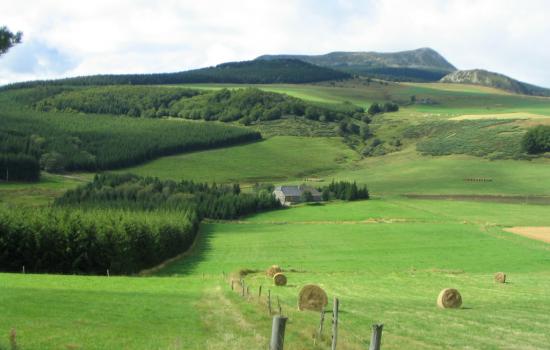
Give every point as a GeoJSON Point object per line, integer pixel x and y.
{"type": "Point", "coordinates": [64, 38]}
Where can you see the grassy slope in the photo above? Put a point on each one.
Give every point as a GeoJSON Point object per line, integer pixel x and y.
{"type": "Point", "coordinates": [55, 312]}
{"type": "Point", "coordinates": [450, 99]}
{"type": "Point", "coordinates": [382, 272]}
{"type": "Point", "coordinates": [39, 193]}
{"type": "Point", "coordinates": [290, 159]}
{"type": "Point", "coordinates": [275, 159]}
{"type": "Point", "coordinates": [371, 267]}
{"type": "Point", "coordinates": [392, 273]}
{"type": "Point", "coordinates": [385, 174]}
{"type": "Point", "coordinates": [408, 172]}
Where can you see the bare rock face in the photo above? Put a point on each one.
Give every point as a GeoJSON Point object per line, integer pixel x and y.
{"type": "Point", "coordinates": [498, 81]}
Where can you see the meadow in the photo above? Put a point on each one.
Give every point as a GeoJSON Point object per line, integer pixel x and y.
{"type": "Point", "coordinates": [42, 193]}
{"type": "Point", "coordinates": [385, 259]}
{"type": "Point", "coordinates": [432, 99]}
{"type": "Point", "coordinates": [427, 227]}
{"type": "Point", "coordinates": [279, 158]}
{"type": "Point", "coordinates": [293, 159]}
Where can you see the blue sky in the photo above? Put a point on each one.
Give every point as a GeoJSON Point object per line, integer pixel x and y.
{"type": "Point", "coordinates": [69, 38]}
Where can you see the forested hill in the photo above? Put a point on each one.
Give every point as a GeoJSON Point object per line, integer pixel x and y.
{"type": "Point", "coordinates": [423, 64]}
{"type": "Point", "coordinates": [247, 72]}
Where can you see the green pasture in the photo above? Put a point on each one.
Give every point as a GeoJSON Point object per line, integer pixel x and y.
{"type": "Point", "coordinates": [274, 159]}
{"type": "Point", "coordinates": [385, 259]}
{"type": "Point", "coordinates": [407, 172]}
{"type": "Point", "coordinates": [292, 159]}
{"type": "Point", "coordinates": [40, 193]}
{"type": "Point", "coordinates": [391, 270]}
{"type": "Point", "coordinates": [434, 100]}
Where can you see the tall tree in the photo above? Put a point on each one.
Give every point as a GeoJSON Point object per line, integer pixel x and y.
{"type": "Point", "coordinates": [8, 39]}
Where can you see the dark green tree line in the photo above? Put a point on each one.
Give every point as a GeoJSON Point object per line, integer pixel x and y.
{"type": "Point", "coordinates": [133, 192]}
{"type": "Point", "coordinates": [58, 240]}
{"type": "Point", "coordinates": [247, 72]}
{"type": "Point", "coordinates": [344, 190]}
{"type": "Point", "coordinates": [246, 105]}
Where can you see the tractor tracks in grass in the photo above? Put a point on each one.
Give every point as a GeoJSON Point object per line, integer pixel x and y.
{"type": "Point", "coordinates": [226, 325]}
{"type": "Point", "coordinates": [334, 222]}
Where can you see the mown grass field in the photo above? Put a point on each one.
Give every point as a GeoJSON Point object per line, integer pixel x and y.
{"type": "Point", "coordinates": [274, 159]}
{"type": "Point", "coordinates": [385, 259]}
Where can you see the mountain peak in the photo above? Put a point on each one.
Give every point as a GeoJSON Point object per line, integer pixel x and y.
{"type": "Point", "coordinates": [423, 64]}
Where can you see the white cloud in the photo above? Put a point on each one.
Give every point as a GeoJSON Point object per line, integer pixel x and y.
{"type": "Point", "coordinates": [104, 36]}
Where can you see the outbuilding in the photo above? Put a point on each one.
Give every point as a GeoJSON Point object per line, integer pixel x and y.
{"type": "Point", "coordinates": [288, 195]}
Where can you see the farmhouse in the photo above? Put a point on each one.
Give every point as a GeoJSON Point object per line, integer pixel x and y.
{"type": "Point", "coordinates": [295, 194]}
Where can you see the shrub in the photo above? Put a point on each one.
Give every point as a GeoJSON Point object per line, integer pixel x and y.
{"type": "Point", "coordinates": [536, 140]}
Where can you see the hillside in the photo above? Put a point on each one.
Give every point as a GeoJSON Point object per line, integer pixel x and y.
{"type": "Point", "coordinates": [250, 72]}
{"type": "Point", "coordinates": [423, 64]}
{"type": "Point", "coordinates": [495, 80]}
{"type": "Point", "coordinates": [431, 167]}
{"type": "Point", "coordinates": [68, 141]}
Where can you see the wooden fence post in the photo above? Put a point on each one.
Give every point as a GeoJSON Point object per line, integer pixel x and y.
{"type": "Point", "coordinates": [376, 338]}
{"type": "Point", "coordinates": [260, 292]}
{"type": "Point", "coordinates": [278, 333]}
{"type": "Point", "coordinates": [320, 330]}
{"type": "Point", "coordinates": [23, 269]}
{"type": "Point", "coordinates": [269, 301]}
{"type": "Point", "coordinates": [335, 307]}
{"type": "Point", "coordinates": [279, 305]}
{"type": "Point", "coordinates": [242, 288]}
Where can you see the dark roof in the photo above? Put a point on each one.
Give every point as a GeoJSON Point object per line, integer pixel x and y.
{"type": "Point", "coordinates": [290, 190]}
{"type": "Point", "coordinates": [296, 191]}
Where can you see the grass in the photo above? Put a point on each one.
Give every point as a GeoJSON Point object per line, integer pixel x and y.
{"type": "Point", "coordinates": [39, 193]}
{"type": "Point", "coordinates": [392, 272]}
{"type": "Point", "coordinates": [275, 159]}
{"type": "Point", "coordinates": [386, 260]}
{"type": "Point", "coordinates": [407, 172]}
{"type": "Point", "coordinates": [64, 312]}
{"type": "Point", "coordinates": [447, 100]}
{"type": "Point", "coordinates": [483, 138]}
{"type": "Point", "coordinates": [291, 159]}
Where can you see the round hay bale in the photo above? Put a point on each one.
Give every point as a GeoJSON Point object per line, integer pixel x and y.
{"type": "Point", "coordinates": [273, 270]}
{"type": "Point", "coordinates": [500, 277]}
{"type": "Point", "coordinates": [312, 297]}
{"type": "Point", "coordinates": [279, 279]}
{"type": "Point", "coordinates": [449, 298]}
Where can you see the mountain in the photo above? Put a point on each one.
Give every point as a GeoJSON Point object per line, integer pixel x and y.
{"type": "Point", "coordinates": [495, 80]}
{"type": "Point", "coordinates": [247, 72]}
{"type": "Point", "coordinates": [423, 64]}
